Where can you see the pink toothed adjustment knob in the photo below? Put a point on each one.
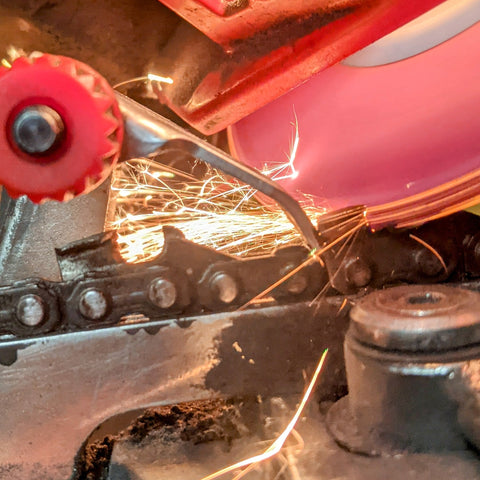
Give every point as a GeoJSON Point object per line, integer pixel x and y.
{"type": "Point", "coordinates": [60, 128]}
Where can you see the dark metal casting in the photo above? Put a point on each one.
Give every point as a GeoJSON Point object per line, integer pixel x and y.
{"type": "Point", "coordinates": [406, 354]}
{"type": "Point", "coordinates": [438, 251]}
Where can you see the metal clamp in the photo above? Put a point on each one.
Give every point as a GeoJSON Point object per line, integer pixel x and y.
{"type": "Point", "coordinates": [146, 132]}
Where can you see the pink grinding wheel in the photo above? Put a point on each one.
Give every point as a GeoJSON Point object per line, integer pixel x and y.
{"type": "Point", "coordinates": [402, 139]}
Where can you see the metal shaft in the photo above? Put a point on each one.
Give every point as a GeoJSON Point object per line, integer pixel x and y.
{"type": "Point", "coordinates": [37, 129]}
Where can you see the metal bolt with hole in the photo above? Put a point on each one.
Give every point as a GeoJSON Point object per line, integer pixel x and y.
{"type": "Point", "coordinates": [93, 304]}
{"type": "Point", "coordinates": [405, 352]}
{"type": "Point", "coordinates": [30, 310]}
{"type": "Point", "coordinates": [38, 129]}
{"type": "Point", "coordinates": [162, 292]}
{"type": "Point", "coordinates": [225, 287]}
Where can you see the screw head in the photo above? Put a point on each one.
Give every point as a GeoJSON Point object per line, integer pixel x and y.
{"type": "Point", "coordinates": [428, 263]}
{"type": "Point", "coordinates": [162, 292]}
{"type": "Point", "coordinates": [296, 284]}
{"type": "Point", "coordinates": [225, 287]}
{"type": "Point", "coordinates": [30, 310]}
{"type": "Point", "coordinates": [37, 129]}
{"type": "Point", "coordinates": [358, 273]}
{"type": "Point", "coordinates": [93, 304]}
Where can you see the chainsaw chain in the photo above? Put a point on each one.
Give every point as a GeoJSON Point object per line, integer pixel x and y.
{"type": "Point", "coordinates": [98, 289]}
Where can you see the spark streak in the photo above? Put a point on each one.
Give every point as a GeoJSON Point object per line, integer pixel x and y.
{"type": "Point", "coordinates": [315, 256]}
{"type": "Point", "coordinates": [431, 249]}
{"type": "Point", "coordinates": [278, 444]}
{"type": "Point", "coordinates": [285, 170]}
{"type": "Point", "coordinates": [158, 78]}
{"type": "Point", "coordinates": [211, 212]}
{"type": "Point", "coordinates": [214, 211]}
{"type": "Point", "coordinates": [150, 77]}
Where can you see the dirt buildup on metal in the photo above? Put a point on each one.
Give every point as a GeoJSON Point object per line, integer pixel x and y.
{"type": "Point", "coordinates": [188, 424]}
{"type": "Point", "coordinates": [96, 459]}
{"type": "Point", "coordinates": [196, 422]}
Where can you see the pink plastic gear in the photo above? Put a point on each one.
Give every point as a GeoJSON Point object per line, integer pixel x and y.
{"type": "Point", "coordinates": [93, 128]}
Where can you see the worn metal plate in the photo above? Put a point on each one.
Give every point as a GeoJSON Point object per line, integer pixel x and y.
{"type": "Point", "coordinates": [59, 388]}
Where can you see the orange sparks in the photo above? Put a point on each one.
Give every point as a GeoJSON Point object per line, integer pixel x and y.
{"type": "Point", "coordinates": [151, 77]}
{"type": "Point", "coordinates": [430, 249]}
{"type": "Point", "coordinates": [278, 444]}
{"type": "Point", "coordinates": [315, 256]}
{"type": "Point", "coordinates": [213, 211]}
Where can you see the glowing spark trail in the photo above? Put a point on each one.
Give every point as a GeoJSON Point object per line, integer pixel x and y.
{"type": "Point", "coordinates": [315, 256]}
{"type": "Point", "coordinates": [214, 211]}
{"type": "Point", "coordinates": [149, 77]}
{"type": "Point", "coordinates": [278, 444]}
{"type": "Point", "coordinates": [431, 249]}
{"type": "Point", "coordinates": [157, 78]}
{"type": "Point", "coordinates": [287, 170]}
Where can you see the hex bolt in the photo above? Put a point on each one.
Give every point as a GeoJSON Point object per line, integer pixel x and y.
{"type": "Point", "coordinates": [37, 129]}
{"type": "Point", "coordinates": [162, 292]}
{"type": "Point", "coordinates": [93, 304]}
{"type": "Point", "coordinates": [225, 287]}
{"type": "Point", "coordinates": [30, 310]}
{"type": "Point", "coordinates": [358, 273]}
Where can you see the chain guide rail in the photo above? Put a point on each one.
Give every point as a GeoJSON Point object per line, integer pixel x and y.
{"type": "Point", "coordinates": [98, 289]}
